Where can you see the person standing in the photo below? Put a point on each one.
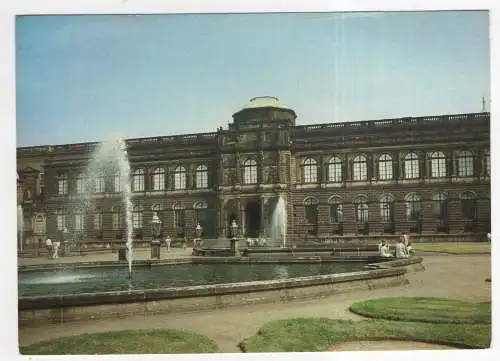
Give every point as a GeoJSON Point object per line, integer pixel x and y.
{"type": "Point", "coordinates": [168, 242]}
{"type": "Point", "coordinates": [57, 244]}
{"type": "Point", "coordinates": [48, 245]}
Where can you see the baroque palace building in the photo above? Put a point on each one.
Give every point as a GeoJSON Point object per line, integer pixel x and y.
{"type": "Point", "coordinates": [422, 175]}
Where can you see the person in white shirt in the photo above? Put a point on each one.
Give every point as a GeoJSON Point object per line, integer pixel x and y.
{"type": "Point", "coordinates": [401, 250]}
{"type": "Point", "coordinates": [57, 244]}
{"type": "Point", "coordinates": [488, 236]}
{"type": "Point", "coordinates": [384, 250]}
{"type": "Point", "coordinates": [380, 246]}
{"type": "Point", "coordinates": [168, 242]}
{"type": "Point", "coordinates": [48, 245]}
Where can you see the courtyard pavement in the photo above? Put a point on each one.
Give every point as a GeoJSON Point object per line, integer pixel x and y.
{"type": "Point", "coordinates": [105, 256]}
{"type": "Point", "coordinates": [452, 276]}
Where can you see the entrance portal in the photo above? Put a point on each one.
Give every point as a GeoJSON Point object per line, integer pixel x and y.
{"type": "Point", "coordinates": [252, 221]}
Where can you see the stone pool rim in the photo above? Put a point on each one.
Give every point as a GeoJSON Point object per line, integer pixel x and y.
{"type": "Point", "coordinates": [377, 270]}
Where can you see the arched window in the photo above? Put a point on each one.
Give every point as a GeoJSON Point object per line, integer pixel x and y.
{"type": "Point", "coordinates": [468, 202]}
{"type": "Point", "coordinates": [61, 219]}
{"type": "Point", "coordinates": [487, 165]}
{"type": "Point", "coordinates": [202, 214]}
{"type": "Point", "coordinates": [310, 171]}
{"type": "Point", "coordinates": [98, 218]}
{"type": "Point", "coordinates": [311, 210]}
{"type": "Point", "coordinates": [79, 222]}
{"type": "Point", "coordinates": [99, 185]}
{"type": "Point", "coordinates": [411, 166]}
{"type": "Point", "coordinates": [139, 180]}
{"type": "Point", "coordinates": [158, 179]}
{"type": "Point", "coordinates": [440, 206]}
{"type": "Point", "coordinates": [201, 177]}
{"type": "Point", "coordinates": [80, 183]}
{"type": "Point", "coordinates": [117, 182]}
{"type": "Point", "coordinates": [385, 167]}
{"type": "Point", "coordinates": [137, 217]}
{"type": "Point", "coordinates": [62, 184]}
{"type": "Point", "coordinates": [387, 208]}
{"type": "Point", "coordinates": [359, 170]}
{"type": "Point", "coordinates": [413, 207]}
{"type": "Point", "coordinates": [438, 165]}
{"type": "Point", "coordinates": [465, 163]}
{"type": "Point", "coordinates": [180, 178]}
{"type": "Point", "coordinates": [361, 209]}
{"type": "Point", "coordinates": [336, 211]}
{"type": "Point", "coordinates": [250, 171]}
{"type": "Point", "coordinates": [335, 170]}
{"type": "Point", "coordinates": [179, 217]}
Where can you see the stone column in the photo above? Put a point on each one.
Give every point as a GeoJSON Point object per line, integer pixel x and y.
{"type": "Point", "coordinates": [220, 217]}
{"type": "Point", "coordinates": [238, 169]}
{"type": "Point", "coordinates": [260, 175]}
{"type": "Point", "coordinates": [220, 170]}
{"type": "Point", "coordinates": [262, 216]}
{"type": "Point", "coordinates": [279, 175]}
{"type": "Point", "coordinates": [242, 217]}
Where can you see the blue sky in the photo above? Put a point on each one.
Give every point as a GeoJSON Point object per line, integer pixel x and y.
{"type": "Point", "coordinates": [81, 78]}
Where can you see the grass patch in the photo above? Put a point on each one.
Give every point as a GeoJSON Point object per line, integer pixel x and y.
{"type": "Point", "coordinates": [125, 342]}
{"type": "Point", "coordinates": [318, 334]}
{"type": "Point", "coordinates": [424, 309]}
{"type": "Point", "coordinates": [454, 247]}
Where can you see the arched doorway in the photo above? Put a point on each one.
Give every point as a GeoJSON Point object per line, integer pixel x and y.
{"type": "Point", "coordinates": [252, 218]}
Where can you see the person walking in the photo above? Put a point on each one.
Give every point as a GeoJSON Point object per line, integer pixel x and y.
{"type": "Point", "coordinates": [48, 245]}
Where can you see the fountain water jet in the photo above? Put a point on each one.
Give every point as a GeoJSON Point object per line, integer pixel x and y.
{"type": "Point", "coordinates": [278, 222]}
{"type": "Point", "coordinates": [111, 157]}
{"type": "Point", "coordinates": [20, 225]}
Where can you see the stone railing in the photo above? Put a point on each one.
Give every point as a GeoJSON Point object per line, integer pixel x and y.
{"type": "Point", "coordinates": [395, 123]}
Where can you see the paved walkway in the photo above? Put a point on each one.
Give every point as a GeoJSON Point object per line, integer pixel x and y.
{"type": "Point", "coordinates": [139, 254]}
{"type": "Point", "coordinates": [460, 277]}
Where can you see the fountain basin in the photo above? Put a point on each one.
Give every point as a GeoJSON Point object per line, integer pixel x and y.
{"type": "Point", "coordinates": [100, 305]}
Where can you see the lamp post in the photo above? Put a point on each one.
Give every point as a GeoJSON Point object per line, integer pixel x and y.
{"type": "Point", "coordinates": [198, 231]}
{"type": "Point", "coordinates": [234, 238]}
{"type": "Point", "coordinates": [156, 230]}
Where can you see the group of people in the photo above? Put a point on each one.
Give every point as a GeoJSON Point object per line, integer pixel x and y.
{"type": "Point", "coordinates": [403, 248]}
{"type": "Point", "coordinates": [52, 248]}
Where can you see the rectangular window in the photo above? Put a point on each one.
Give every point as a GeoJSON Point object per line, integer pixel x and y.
{"type": "Point", "coordinates": [62, 187]}
{"type": "Point", "coordinates": [201, 180]}
{"type": "Point", "coordinates": [98, 220]}
{"type": "Point", "coordinates": [117, 220]}
{"type": "Point", "coordinates": [118, 184]}
{"type": "Point", "coordinates": [78, 222]}
{"type": "Point", "coordinates": [61, 222]}
{"type": "Point", "coordinates": [80, 186]}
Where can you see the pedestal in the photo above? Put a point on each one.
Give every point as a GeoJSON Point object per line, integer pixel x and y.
{"type": "Point", "coordinates": [155, 249]}
{"type": "Point", "coordinates": [122, 254]}
{"type": "Point", "coordinates": [234, 248]}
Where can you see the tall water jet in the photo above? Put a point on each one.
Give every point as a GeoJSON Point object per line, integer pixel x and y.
{"type": "Point", "coordinates": [110, 159]}
{"type": "Point", "coordinates": [278, 222]}
{"type": "Point", "coordinates": [20, 226]}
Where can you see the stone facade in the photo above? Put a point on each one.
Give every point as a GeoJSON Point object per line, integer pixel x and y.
{"type": "Point", "coordinates": [422, 175]}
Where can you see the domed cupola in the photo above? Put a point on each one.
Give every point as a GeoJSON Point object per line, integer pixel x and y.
{"type": "Point", "coordinates": [265, 109]}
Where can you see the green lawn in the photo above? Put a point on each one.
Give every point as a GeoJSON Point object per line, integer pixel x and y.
{"type": "Point", "coordinates": [318, 334]}
{"type": "Point", "coordinates": [125, 342]}
{"type": "Point", "coordinates": [454, 247]}
{"type": "Point", "coordinates": [424, 309]}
